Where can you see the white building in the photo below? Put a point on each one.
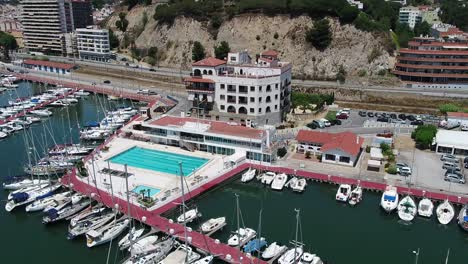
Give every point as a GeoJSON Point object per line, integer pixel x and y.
{"type": "Point", "coordinates": [225, 138]}
{"type": "Point", "coordinates": [410, 15]}
{"type": "Point", "coordinates": [357, 4]}
{"type": "Point", "coordinates": [93, 44]}
{"type": "Point", "coordinates": [452, 142]}
{"type": "Point", "coordinates": [252, 92]}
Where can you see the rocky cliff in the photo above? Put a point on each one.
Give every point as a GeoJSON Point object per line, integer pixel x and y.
{"type": "Point", "coordinates": [350, 47]}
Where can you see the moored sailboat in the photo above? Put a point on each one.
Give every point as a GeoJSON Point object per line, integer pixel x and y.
{"type": "Point", "coordinates": [407, 209]}
{"type": "Point", "coordinates": [445, 212]}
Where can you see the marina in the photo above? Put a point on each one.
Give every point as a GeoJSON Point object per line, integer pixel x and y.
{"type": "Point", "coordinates": [212, 192]}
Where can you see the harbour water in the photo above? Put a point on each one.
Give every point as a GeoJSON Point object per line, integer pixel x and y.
{"type": "Point", "coordinates": [336, 232]}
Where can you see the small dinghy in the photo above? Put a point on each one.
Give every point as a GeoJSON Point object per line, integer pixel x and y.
{"type": "Point", "coordinates": [463, 218]}
{"type": "Point", "coordinates": [213, 224]}
{"type": "Point", "coordinates": [267, 177]}
{"type": "Point", "coordinates": [343, 193]}
{"type": "Point", "coordinates": [272, 250]}
{"type": "Point", "coordinates": [425, 207]}
{"type": "Point", "coordinates": [298, 185]}
{"type": "Point", "coordinates": [445, 212]}
{"type": "Point", "coordinates": [389, 200]}
{"type": "Point", "coordinates": [356, 196]}
{"type": "Point", "coordinates": [248, 175]}
{"type": "Point", "coordinates": [407, 209]}
{"type": "Point", "coordinates": [255, 245]}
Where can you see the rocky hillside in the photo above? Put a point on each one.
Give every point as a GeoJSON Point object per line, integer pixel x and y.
{"type": "Point", "coordinates": [350, 47]}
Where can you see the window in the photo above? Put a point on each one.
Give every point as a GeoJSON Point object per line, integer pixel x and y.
{"type": "Point", "coordinates": [276, 86]}
{"type": "Point", "coordinates": [276, 107]}
{"type": "Point", "coordinates": [276, 97]}
{"type": "Point", "coordinates": [221, 107]}
{"type": "Point", "coordinates": [252, 110]}
{"type": "Point", "coordinates": [260, 99]}
{"type": "Point", "coordinates": [259, 88]}
{"type": "Point", "coordinates": [233, 58]}
{"type": "Point", "coordinates": [222, 97]}
{"type": "Point", "coordinates": [260, 110]}
{"type": "Point", "coordinates": [252, 99]}
{"type": "Point", "coordinates": [222, 86]}
{"type": "Point", "coordinates": [252, 88]}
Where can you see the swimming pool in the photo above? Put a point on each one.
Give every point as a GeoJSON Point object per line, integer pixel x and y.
{"type": "Point", "coordinates": [152, 191]}
{"type": "Point", "coordinates": [156, 160]}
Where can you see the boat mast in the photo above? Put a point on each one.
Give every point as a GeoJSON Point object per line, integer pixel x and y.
{"type": "Point", "coordinates": [238, 224]}
{"type": "Point", "coordinates": [126, 186]}
{"type": "Point", "coordinates": [297, 230]}
{"type": "Point", "coordinates": [447, 258]}
{"type": "Point", "coordinates": [183, 209]}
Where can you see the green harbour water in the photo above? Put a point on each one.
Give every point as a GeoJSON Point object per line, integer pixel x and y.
{"type": "Point", "coordinates": [338, 233]}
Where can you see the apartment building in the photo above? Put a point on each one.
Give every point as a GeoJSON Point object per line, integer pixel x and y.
{"type": "Point", "coordinates": [432, 63]}
{"type": "Point", "coordinates": [252, 92]}
{"type": "Point", "coordinates": [410, 15]}
{"type": "Point", "coordinates": [93, 43]}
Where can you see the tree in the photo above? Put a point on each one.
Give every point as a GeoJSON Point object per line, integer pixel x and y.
{"type": "Point", "coordinates": [282, 152]}
{"type": "Point", "coordinates": [221, 51]}
{"type": "Point", "coordinates": [341, 75]}
{"type": "Point", "coordinates": [113, 40]}
{"type": "Point", "coordinates": [445, 108]}
{"type": "Point", "coordinates": [7, 43]}
{"type": "Point", "coordinates": [348, 13]}
{"type": "Point", "coordinates": [422, 28]}
{"type": "Point", "coordinates": [320, 35]}
{"type": "Point", "coordinates": [122, 23]}
{"type": "Point", "coordinates": [153, 52]}
{"type": "Point", "coordinates": [404, 33]}
{"type": "Point", "coordinates": [423, 135]}
{"type": "Point", "coordinates": [198, 51]}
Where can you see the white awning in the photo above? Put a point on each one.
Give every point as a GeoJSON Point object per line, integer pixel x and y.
{"type": "Point", "coordinates": [209, 98]}
{"type": "Point", "coordinates": [237, 157]}
{"type": "Point", "coordinates": [373, 163]}
{"type": "Point", "coordinates": [191, 97]}
{"type": "Point", "coordinates": [376, 154]}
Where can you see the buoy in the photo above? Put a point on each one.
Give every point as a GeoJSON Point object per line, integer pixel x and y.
{"type": "Point", "coordinates": [228, 257]}
{"type": "Point", "coordinates": [189, 239]}
{"type": "Point", "coordinates": [217, 241]}
{"type": "Point", "coordinates": [116, 206]}
{"type": "Point", "coordinates": [189, 229]}
{"type": "Point", "coordinates": [143, 219]}
{"type": "Point", "coordinates": [171, 221]}
{"type": "Point", "coordinates": [171, 231]}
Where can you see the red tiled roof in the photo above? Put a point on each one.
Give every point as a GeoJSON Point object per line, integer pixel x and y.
{"type": "Point", "coordinates": [210, 62]}
{"type": "Point", "coordinates": [345, 141]}
{"type": "Point", "coordinates": [457, 114]}
{"type": "Point", "coordinates": [216, 127]}
{"type": "Point", "coordinates": [273, 53]}
{"type": "Point", "coordinates": [198, 80]}
{"type": "Point", "coordinates": [59, 65]}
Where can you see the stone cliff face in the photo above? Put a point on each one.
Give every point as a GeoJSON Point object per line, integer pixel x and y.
{"type": "Point", "coordinates": [350, 47]}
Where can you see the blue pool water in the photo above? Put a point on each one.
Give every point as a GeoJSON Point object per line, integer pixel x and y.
{"type": "Point", "coordinates": [158, 160]}
{"type": "Point", "coordinates": [152, 191]}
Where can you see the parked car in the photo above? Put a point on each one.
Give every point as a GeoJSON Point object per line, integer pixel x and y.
{"type": "Point", "coordinates": [446, 157]}
{"type": "Point", "coordinates": [152, 70]}
{"type": "Point", "coordinates": [312, 125]}
{"type": "Point", "coordinates": [402, 116]}
{"type": "Point", "coordinates": [398, 121]}
{"type": "Point", "coordinates": [404, 171]}
{"type": "Point", "coordinates": [454, 178]}
{"type": "Point", "coordinates": [370, 114]}
{"type": "Point", "coordinates": [454, 171]}
{"type": "Point", "coordinates": [342, 115]}
{"type": "Point", "coordinates": [411, 117]}
{"type": "Point", "coordinates": [335, 122]}
{"type": "Point", "coordinates": [449, 165]}
{"type": "Point", "coordinates": [393, 116]}
{"type": "Point", "coordinates": [362, 113]}
{"type": "Point", "coordinates": [417, 122]}
{"type": "Point", "coordinates": [106, 81]}
{"type": "Point", "coordinates": [326, 122]}
{"type": "Point", "coordinates": [382, 119]}
{"type": "Point", "coordinates": [465, 160]}
{"type": "Point", "coordinates": [466, 165]}
{"type": "Point", "coordinates": [401, 165]}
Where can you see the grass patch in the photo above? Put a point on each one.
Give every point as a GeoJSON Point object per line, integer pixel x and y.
{"type": "Point", "coordinates": [395, 39]}
{"type": "Point", "coordinates": [331, 115]}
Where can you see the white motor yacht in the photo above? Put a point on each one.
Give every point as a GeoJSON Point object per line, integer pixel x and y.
{"type": "Point", "coordinates": [41, 204]}
{"type": "Point", "coordinates": [81, 93]}
{"type": "Point", "coordinates": [445, 212]}
{"type": "Point", "coordinates": [41, 112]}
{"type": "Point", "coordinates": [212, 224]}
{"type": "Point", "coordinates": [182, 255]}
{"type": "Point", "coordinates": [267, 177]}
{"type": "Point", "coordinates": [24, 183]}
{"type": "Point", "coordinates": [248, 175]}
{"type": "Point", "coordinates": [343, 193]}
{"type": "Point", "coordinates": [106, 233]}
{"type": "Point", "coordinates": [241, 236]}
{"type": "Point", "coordinates": [145, 245]}
{"type": "Point", "coordinates": [356, 196]}
{"type": "Point", "coordinates": [188, 217]}
{"type": "Point", "coordinates": [407, 209]}
{"type": "Point", "coordinates": [425, 207]}
{"type": "Point", "coordinates": [130, 237]}
{"type": "Point", "coordinates": [279, 181]}
{"type": "Point", "coordinates": [291, 256]}
{"type": "Point", "coordinates": [389, 200]}
{"type": "Point", "coordinates": [272, 250]}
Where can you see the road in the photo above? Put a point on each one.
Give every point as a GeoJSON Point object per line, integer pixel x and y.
{"type": "Point", "coordinates": [172, 72]}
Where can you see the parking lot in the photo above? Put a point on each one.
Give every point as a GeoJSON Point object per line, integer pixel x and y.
{"type": "Point", "coordinates": [428, 172]}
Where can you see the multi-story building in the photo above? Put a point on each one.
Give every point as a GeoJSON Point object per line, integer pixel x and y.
{"type": "Point", "coordinates": [93, 43]}
{"type": "Point", "coordinates": [71, 46]}
{"type": "Point", "coordinates": [81, 13]}
{"type": "Point", "coordinates": [44, 22]}
{"type": "Point", "coordinates": [357, 4]}
{"type": "Point", "coordinates": [253, 93]}
{"type": "Point", "coordinates": [410, 15]}
{"type": "Point", "coordinates": [431, 63]}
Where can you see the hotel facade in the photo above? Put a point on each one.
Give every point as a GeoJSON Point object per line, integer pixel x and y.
{"type": "Point", "coordinates": [249, 92]}
{"type": "Point", "coordinates": [431, 63]}
{"type": "Point", "coordinates": [217, 137]}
